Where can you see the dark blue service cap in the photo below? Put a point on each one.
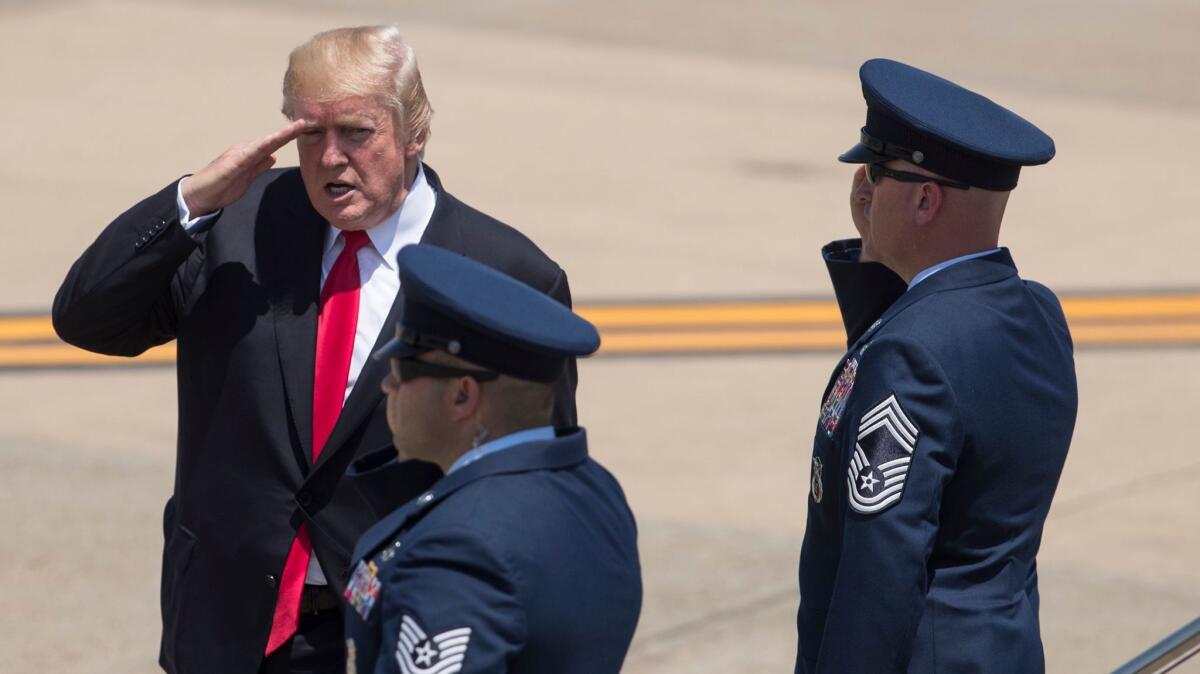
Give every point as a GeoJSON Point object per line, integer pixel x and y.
{"type": "Point", "coordinates": [937, 125]}
{"type": "Point", "coordinates": [467, 309]}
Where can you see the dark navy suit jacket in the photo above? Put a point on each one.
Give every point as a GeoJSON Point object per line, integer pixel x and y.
{"type": "Point", "coordinates": [523, 561]}
{"type": "Point", "coordinates": [241, 302]}
{"type": "Point", "coordinates": [938, 448]}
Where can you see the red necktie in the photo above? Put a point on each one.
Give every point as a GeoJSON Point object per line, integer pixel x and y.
{"type": "Point", "coordinates": [336, 325]}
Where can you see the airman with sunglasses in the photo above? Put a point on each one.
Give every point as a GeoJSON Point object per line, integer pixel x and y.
{"type": "Point", "coordinates": [944, 428]}
{"type": "Point", "coordinates": [523, 558]}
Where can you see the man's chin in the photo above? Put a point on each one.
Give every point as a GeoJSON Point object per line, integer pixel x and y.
{"type": "Point", "coordinates": [347, 218]}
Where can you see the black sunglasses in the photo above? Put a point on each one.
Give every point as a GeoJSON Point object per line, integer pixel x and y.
{"type": "Point", "coordinates": [877, 171]}
{"type": "Point", "coordinates": [409, 368]}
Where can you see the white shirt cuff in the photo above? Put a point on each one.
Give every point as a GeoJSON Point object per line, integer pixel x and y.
{"type": "Point", "coordinates": [185, 216]}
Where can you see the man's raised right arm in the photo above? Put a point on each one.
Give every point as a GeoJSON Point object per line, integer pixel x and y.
{"type": "Point", "coordinates": [123, 295]}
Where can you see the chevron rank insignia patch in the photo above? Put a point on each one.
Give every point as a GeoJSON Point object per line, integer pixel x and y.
{"type": "Point", "coordinates": [418, 653]}
{"type": "Point", "coordinates": [882, 453]}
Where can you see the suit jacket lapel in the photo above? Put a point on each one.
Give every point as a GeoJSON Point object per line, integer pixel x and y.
{"type": "Point", "coordinates": [297, 239]}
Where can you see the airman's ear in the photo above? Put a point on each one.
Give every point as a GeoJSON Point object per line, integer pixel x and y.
{"type": "Point", "coordinates": [463, 396]}
{"type": "Point", "coordinates": [929, 202]}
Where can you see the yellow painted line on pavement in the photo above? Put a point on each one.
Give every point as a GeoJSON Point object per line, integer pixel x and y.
{"type": "Point", "coordinates": [26, 328]}
{"type": "Point", "coordinates": [65, 355]}
{"type": "Point", "coordinates": [817, 312]}
{"type": "Point", "coordinates": [1125, 307]}
{"type": "Point", "coordinates": [721, 341]}
{"type": "Point", "coordinates": [1149, 334]}
{"type": "Point", "coordinates": [1147, 319]}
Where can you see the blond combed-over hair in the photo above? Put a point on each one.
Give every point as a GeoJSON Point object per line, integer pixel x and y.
{"type": "Point", "coordinates": [360, 61]}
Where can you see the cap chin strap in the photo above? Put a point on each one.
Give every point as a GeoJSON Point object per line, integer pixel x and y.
{"type": "Point", "coordinates": [891, 150]}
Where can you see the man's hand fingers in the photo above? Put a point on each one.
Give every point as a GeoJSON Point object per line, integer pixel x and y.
{"type": "Point", "coordinates": [263, 165]}
{"type": "Point", "coordinates": [281, 137]}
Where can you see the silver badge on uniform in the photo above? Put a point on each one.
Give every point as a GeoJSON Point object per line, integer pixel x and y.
{"type": "Point", "coordinates": [443, 653]}
{"type": "Point", "coordinates": [816, 485]}
{"type": "Point", "coordinates": [351, 657]}
{"type": "Point", "coordinates": [879, 467]}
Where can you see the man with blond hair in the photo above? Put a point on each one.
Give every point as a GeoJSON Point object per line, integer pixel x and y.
{"type": "Point", "coordinates": [277, 284]}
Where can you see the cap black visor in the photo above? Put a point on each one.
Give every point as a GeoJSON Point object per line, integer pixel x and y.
{"type": "Point", "coordinates": [861, 154]}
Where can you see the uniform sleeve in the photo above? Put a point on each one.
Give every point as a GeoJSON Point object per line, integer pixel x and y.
{"type": "Point", "coordinates": [124, 294]}
{"type": "Point", "coordinates": [904, 444]}
{"type": "Point", "coordinates": [449, 605]}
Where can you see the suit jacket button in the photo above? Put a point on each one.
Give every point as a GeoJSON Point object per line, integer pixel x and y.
{"type": "Point", "coordinates": [271, 581]}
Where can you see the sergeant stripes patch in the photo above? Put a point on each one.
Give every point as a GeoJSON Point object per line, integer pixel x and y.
{"type": "Point", "coordinates": [416, 653]}
{"type": "Point", "coordinates": [879, 467]}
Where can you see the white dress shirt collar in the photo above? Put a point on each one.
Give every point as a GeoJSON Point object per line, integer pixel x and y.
{"type": "Point", "coordinates": [401, 228]}
{"type": "Point", "coordinates": [502, 443]}
{"type": "Point", "coordinates": [930, 271]}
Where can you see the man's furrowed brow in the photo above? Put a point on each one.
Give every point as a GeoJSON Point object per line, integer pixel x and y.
{"type": "Point", "coordinates": [356, 120]}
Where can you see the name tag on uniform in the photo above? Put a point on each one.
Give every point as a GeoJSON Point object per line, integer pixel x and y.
{"type": "Point", "coordinates": [363, 589]}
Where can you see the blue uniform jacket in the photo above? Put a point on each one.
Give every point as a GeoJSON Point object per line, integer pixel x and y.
{"type": "Point", "coordinates": [939, 445]}
{"type": "Point", "coordinates": [523, 561]}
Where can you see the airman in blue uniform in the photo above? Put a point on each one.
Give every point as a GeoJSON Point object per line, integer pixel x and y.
{"type": "Point", "coordinates": [944, 428]}
{"type": "Point", "coordinates": [523, 557]}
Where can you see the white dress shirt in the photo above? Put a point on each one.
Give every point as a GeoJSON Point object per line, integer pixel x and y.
{"type": "Point", "coordinates": [376, 270]}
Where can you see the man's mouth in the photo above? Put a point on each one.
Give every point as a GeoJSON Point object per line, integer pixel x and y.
{"type": "Point", "coordinates": [337, 190]}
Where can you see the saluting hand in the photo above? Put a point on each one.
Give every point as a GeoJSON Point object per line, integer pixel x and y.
{"type": "Point", "coordinates": [227, 177]}
{"type": "Point", "coordinates": [857, 203]}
